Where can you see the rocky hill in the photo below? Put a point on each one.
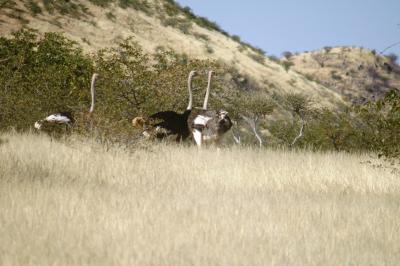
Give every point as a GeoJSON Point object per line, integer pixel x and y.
{"type": "Point", "coordinates": [356, 73]}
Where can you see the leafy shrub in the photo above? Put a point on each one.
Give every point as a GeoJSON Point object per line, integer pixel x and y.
{"type": "Point", "coordinates": [335, 76]}
{"type": "Point", "coordinates": [258, 58]}
{"type": "Point", "coordinates": [236, 38]}
{"type": "Point", "coordinates": [110, 16]}
{"type": "Point", "coordinates": [287, 55]}
{"type": "Point", "coordinates": [274, 59]}
{"type": "Point", "coordinates": [181, 24]}
{"type": "Point", "coordinates": [381, 119]}
{"type": "Point", "coordinates": [103, 3]}
{"type": "Point", "coordinates": [33, 7]}
{"type": "Point", "coordinates": [201, 36]}
{"type": "Point", "coordinates": [40, 76]}
{"type": "Point", "coordinates": [310, 77]}
{"type": "Point", "coordinates": [287, 65]}
{"type": "Point", "coordinates": [69, 8]}
{"type": "Point", "coordinates": [7, 4]}
{"type": "Point", "coordinates": [327, 49]}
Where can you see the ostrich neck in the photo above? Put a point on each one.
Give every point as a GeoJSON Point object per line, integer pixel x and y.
{"type": "Point", "coordinates": [207, 91]}
{"type": "Point", "coordinates": [190, 105]}
{"type": "Point", "coordinates": [92, 92]}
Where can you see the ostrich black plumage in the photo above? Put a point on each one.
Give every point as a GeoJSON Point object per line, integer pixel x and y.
{"type": "Point", "coordinates": [166, 123]}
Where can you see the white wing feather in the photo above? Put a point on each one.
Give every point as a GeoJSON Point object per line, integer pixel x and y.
{"type": "Point", "coordinates": [201, 120]}
{"type": "Point", "coordinates": [58, 119]}
{"type": "Point", "coordinates": [197, 137]}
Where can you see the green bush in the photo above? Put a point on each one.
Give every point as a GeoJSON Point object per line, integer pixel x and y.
{"type": "Point", "coordinates": [236, 38]}
{"type": "Point", "coordinates": [381, 124]}
{"type": "Point", "coordinates": [335, 76]}
{"type": "Point", "coordinates": [69, 8]}
{"type": "Point", "coordinates": [103, 3]}
{"type": "Point", "coordinates": [110, 16]}
{"type": "Point", "coordinates": [33, 7]}
{"type": "Point", "coordinates": [258, 58]}
{"type": "Point", "coordinates": [287, 55]}
{"type": "Point", "coordinates": [179, 23]}
{"type": "Point", "coordinates": [287, 65]}
{"type": "Point", "coordinates": [44, 75]}
{"type": "Point", "coordinates": [40, 76]}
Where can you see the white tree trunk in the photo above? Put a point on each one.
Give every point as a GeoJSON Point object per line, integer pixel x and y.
{"type": "Point", "coordinates": [301, 132]}
{"type": "Point", "coordinates": [253, 123]}
{"type": "Point", "coordinates": [236, 137]}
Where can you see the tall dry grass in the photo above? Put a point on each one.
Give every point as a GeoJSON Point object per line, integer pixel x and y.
{"type": "Point", "coordinates": [75, 203]}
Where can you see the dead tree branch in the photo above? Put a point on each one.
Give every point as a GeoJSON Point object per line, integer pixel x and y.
{"type": "Point", "coordinates": [301, 132]}
{"type": "Point", "coordinates": [253, 123]}
{"type": "Point", "coordinates": [390, 46]}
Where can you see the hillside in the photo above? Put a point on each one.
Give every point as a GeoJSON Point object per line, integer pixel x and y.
{"type": "Point", "coordinates": [153, 24]}
{"type": "Point", "coordinates": [358, 74]}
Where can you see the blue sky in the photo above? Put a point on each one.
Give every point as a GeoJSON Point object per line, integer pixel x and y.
{"type": "Point", "coordinates": [305, 25]}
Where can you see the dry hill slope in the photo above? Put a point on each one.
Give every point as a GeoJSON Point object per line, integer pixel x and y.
{"type": "Point", "coordinates": [357, 74]}
{"type": "Point", "coordinates": [95, 27]}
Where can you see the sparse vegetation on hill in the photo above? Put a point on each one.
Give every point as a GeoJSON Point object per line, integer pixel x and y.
{"type": "Point", "coordinates": [356, 73]}
{"type": "Point", "coordinates": [104, 24]}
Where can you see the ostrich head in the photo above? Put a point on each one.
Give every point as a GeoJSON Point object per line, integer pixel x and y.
{"type": "Point", "coordinates": [38, 124]}
{"type": "Point", "coordinates": [139, 122]}
{"type": "Point", "coordinates": [222, 114]}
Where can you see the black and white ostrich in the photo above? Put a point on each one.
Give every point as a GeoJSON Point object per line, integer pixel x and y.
{"type": "Point", "coordinates": [66, 118]}
{"type": "Point", "coordinates": [208, 125]}
{"type": "Point", "coordinates": [169, 122]}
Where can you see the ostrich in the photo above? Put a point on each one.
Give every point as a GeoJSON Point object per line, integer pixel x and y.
{"type": "Point", "coordinates": [66, 118]}
{"type": "Point", "coordinates": [171, 122]}
{"type": "Point", "coordinates": [208, 125]}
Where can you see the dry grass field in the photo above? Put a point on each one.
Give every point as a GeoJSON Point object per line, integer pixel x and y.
{"type": "Point", "coordinates": [76, 203]}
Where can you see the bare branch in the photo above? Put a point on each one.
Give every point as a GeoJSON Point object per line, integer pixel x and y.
{"type": "Point", "coordinates": [301, 132]}
{"type": "Point", "coordinates": [253, 123]}
{"type": "Point", "coordinates": [390, 46]}
{"type": "Point", "coordinates": [236, 136]}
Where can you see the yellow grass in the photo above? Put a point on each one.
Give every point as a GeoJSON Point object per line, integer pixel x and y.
{"type": "Point", "coordinates": [75, 203]}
